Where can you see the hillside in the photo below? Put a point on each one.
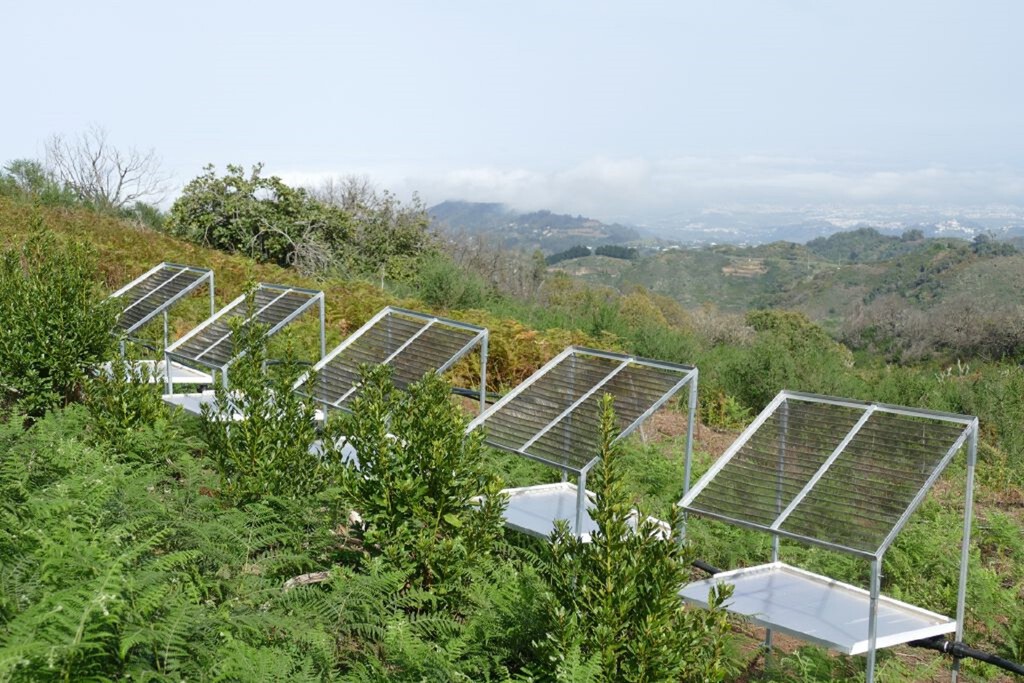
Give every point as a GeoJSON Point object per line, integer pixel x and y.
{"type": "Point", "coordinates": [544, 230]}
{"type": "Point", "coordinates": [829, 279]}
{"type": "Point", "coordinates": [740, 370]}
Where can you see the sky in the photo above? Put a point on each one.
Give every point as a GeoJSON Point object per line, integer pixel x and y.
{"type": "Point", "coordinates": [618, 110]}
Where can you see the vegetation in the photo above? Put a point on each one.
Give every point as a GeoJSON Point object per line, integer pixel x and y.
{"type": "Point", "coordinates": [615, 608]}
{"type": "Point", "coordinates": [617, 251]}
{"type": "Point", "coordinates": [54, 326]}
{"type": "Point", "coordinates": [346, 229]}
{"type": "Point", "coordinates": [572, 252]}
{"type": "Point", "coordinates": [137, 543]}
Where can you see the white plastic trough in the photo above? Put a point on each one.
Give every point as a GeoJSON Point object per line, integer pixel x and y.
{"type": "Point", "coordinates": [818, 609]}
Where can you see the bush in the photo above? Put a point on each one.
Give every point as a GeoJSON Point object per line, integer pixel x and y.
{"type": "Point", "coordinates": [30, 179]}
{"type": "Point", "coordinates": [127, 412]}
{"type": "Point", "coordinates": [55, 325]}
{"type": "Point", "coordinates": [442, 284]}
{"type": "Point", "coordinates": [266, 452]}
{"type": "Point", "coordinates": [615, 612]}
{"type": "Point", "coordinates": [417, 485]}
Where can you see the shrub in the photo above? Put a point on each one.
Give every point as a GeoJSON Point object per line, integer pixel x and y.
{"type": "Point", "coordinates": [417, 485]}
{"type": "Point", "coordinates": [266, 452]}
{"type": "Point", "coordinates": [56, 326]}
{"type": "Point", "coordinates": [442, 284]}
{"type": "Point", "coordinates": [615, 600]}
{"type": "Point", "coordinates": [127, 412]}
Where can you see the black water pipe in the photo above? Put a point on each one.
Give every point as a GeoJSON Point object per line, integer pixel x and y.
{"type": "Point", "coordinates": [961, 651]}
{"type": "Point", "coordinates": [705, 567]}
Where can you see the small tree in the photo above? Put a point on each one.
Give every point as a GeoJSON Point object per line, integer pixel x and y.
{"type": "Point", "coordinates": [102, 175]}
{"type": "Point", "coordinates": [55, 324]}
{"type": "Point", "coordinates": [266, 451]}
{"type": "Point", "coordinates": [260, 216]}
{"type": "Point", "coordinates": [31, 179]}
{"type": "Point", "coordinates": [417, 484]}
{"type": "Point", "coordinates": [386, 233]}
{"type": "Point", "coordinates": [615, 605]}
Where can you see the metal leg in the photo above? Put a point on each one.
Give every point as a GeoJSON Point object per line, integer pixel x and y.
{"type": "Point", "coordinates": [783, 428]}
{"type": "Point", "coordinates": [165, 329]}
{"type": "Point", "coordinates": [213, 307]}
{"type": "Point", "coordinates": [876, 586]}
{"type": "Point", "coordinates": [483, 373]}
{"type": "Point", "coordinates": [688, 457]}
{"type": "Point", "coordinates": [581, 502]}
{"type": "Point", "coordinates": [323, 328]}
{"type": "Point", "coordinates": [691, 418]}
{"type": "Point", "coordinates": [167, 374]}
{"type": "Point", "coordinates": [965, 546]}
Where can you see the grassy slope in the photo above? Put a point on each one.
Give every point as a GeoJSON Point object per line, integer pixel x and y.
{"type": "Point", "coordinates": [125, 251]}
{"type": "Point", "coordinates": [515, 350]}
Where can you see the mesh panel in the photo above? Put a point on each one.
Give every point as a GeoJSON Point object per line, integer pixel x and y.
{"type": "Point", "coordinates": [777, 461]}
{"type": "Point", "coordinates": [213, 344]}
{"type": "Point", "coordinates": [413, 345]}
{"type": "Point", "coordinates": [865, 492]}
{"type": "Point", "coordinates": [853, 501]}
{"type": "Point", "coordinates": [557, 417]}
{"type": "Point", "coordinates": [155, 293]}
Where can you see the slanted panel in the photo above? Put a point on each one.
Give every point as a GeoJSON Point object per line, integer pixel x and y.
{"type": "Point", "coordinates": [573, 441]}
{"type": "Point", "coordinates": [151, 294]}
{"type": "Point", "coordinates": [412, 344]}
{"type": "Point", "coordinates": [432, 350]}
{"type": "Point", "coordinates": [860, 498]}
{"type": "Point", "coordinates": [554, 416]}
{"type": "Point", "coordinates": [635, 388]}
{"type": "Point", "coordinates": [337, 376]}
{"type": "Point", "coordinates": [775, 463]}
{"type": "Point", "coordinates": [838, 473]}
{"type": "Point", "coordinates": [213, 343]}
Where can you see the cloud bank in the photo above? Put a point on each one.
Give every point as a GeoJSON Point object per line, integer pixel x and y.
{"type": "Point", "coordinates": [638, 189]}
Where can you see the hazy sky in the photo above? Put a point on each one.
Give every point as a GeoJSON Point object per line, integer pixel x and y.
{"type": "Point", "coordinates": [625, 109]}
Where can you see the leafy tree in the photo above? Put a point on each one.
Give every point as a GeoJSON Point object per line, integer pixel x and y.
{"type": "Point", "coordinates": [387, 235]}
{"type": "Point", "coordinates": [617, 251]}
{"type": "Point", "coordinates": [259, 216]}
{"type": "Point", "coordinates": [56, 325]}
{"type": "Point", "coordinates": [416, 486]}
{"type": "Point", "coordinates": [615, 609]}
{"type": "Point", "coordinates": [29, 178]}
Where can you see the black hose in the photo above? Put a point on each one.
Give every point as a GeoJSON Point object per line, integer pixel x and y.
{"type": "Point", "coordinates": [961, 651]}
{"type": "Point", "coordinates": [705, 567]}
{"type": "Point", "coordinates": [491, 397]}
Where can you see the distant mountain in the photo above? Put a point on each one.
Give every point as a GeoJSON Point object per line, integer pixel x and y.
{"type": "Point", "coordinates": [764, 225]}
{"type": "Point", "coordinates": [544, 230]}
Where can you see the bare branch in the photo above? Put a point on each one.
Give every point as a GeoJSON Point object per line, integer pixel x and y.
{"type": "Point", "coordinates": [103, 175]}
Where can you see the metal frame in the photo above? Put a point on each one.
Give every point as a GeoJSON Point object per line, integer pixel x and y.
{"type": "Point", "coordinates": [481, 338]}
{"type": "Point", "coordinates": [206, 276]}
{"type": "Point", "coordinates": [968, 436]}
{"type": "Point", "coordinates": [316, 297]}
{"type": "Point", "coordinates": [690, 377]}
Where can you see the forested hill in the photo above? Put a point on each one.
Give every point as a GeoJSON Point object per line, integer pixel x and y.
{"type": "Point", "coordinates": [544, 230]}
{"type": "Point", "coordinates": [856, 283]}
